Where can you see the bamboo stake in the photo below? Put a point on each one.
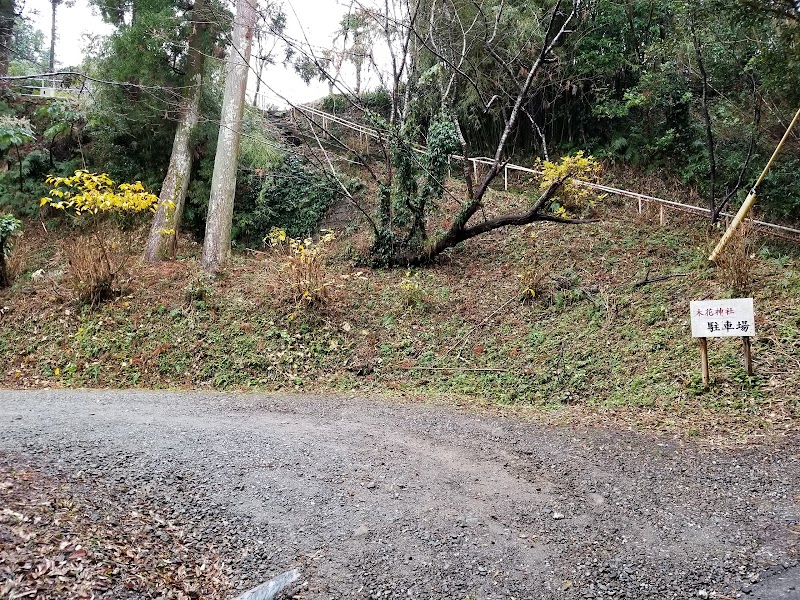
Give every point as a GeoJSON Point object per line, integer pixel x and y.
{"type": "Point", "coordinates": [751, 197]}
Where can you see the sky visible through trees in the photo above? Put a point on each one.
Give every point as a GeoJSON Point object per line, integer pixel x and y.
{"type": "Point", "coordinates": [79, 22]}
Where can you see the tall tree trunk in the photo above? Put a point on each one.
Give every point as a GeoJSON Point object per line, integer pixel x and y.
{"type": "Point", "coordinates": [217, 242]}
{"type": "Point", "coordinates": [712, 162]}
{"type": "Point", "coordinates": [358, 63]}
{"type": "Point", "coordinates": [163, 240]}
{"type": "Point", "coordinates": [7, 17]}
{"type": "Point", "coordinates": [52, 63]}
{"type": "Point", "coordinates": [258, 82]}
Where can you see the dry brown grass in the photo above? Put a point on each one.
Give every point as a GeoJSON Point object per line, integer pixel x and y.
{"type": "Point", "coordinates": [653, 184]}
{"type": "Point", "coordinates": [19, 258]}
{"type": "Point", "coordinates": [96, 262]}
{"type": "Point", "coordinates": [735, 265]}
{"type": "Point", "coordinates": [298, 273]}
{"type": "Point", "coordinates": [535, 280]}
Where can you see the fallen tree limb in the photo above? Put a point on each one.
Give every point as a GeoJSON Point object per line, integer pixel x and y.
{"type": "Point", "coordinates": [647, 281]}
{"type": "Point", "coordinates": [477, 369]}
{"type": "Point", "coordinates": [460, 231]}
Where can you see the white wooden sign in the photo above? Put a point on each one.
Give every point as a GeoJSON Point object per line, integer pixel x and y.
{"type": "Point", "coordinates": [723, 318]}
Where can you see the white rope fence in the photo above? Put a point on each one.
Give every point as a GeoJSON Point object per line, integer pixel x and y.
{"type": "Point", "coordinates": [642, 199]}
{"type": "Point", "coordinates": [48, 88]}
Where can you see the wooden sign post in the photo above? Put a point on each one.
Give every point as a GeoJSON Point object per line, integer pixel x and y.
{"type": "Point", "coordinates": [704, 360]}
{"type": "Point", "coordinates": [723, 318]}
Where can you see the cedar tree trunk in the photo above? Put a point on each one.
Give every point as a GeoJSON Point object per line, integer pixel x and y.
{"type": "Point", "coordinates": [217, 242]}
{"type": "Point", "coordinates": [163, 240]}
{"type": "Point", "coordinates": [52, 63]}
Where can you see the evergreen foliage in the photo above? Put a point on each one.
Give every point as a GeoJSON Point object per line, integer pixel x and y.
{"type": "Point", "coordinates": [292, 197]}
{"type": "Point", "coordinates": [629, 88]}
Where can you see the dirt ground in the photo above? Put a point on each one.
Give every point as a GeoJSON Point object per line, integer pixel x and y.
{"type": "Point", "coordinates": [385, 498]}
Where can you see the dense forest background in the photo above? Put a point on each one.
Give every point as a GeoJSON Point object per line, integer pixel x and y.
{"type": "Point", "coordinates": [695, 93]}
{"type": "Point", "coordinates": [434, 278]}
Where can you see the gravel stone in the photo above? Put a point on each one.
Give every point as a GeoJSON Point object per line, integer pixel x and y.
{"type": "Point", "coordinates": [361, 531]}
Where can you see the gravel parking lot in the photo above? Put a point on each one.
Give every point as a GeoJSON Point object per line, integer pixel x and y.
{"type": "Point", "coordinates": [380, 498]}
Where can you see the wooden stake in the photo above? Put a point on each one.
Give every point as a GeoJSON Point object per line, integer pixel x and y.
{"type": "Point", "coordinates": [662, 215]}
{"type": "Point", "coordinates": [640, 206]}
{"type": "Point", "coordinates": [704, 360]}
{"type": "Point", "coordinates": [505, 177]}
{"type": "Point", "coordinates": [748, 357]}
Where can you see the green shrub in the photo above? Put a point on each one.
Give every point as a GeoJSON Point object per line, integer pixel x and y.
{"type": "Point", "coordinates": [292, 197]}
{"type": "Point", "coordinates": [377, 101]}
{"type": "Point", "coordinates": [20, 185]}
{"type": "Point", "coordinates": [335, 103]}
{"type": "Point", "coordinates": [14, 133]}
{"type": "Point", "coordinates": [780, 194]}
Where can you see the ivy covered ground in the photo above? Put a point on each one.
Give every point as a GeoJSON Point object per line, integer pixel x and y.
{"type": "Point", "coordinates": [545, 319]}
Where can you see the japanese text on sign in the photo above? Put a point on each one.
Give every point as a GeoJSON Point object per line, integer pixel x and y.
{"type": "Point", "coordinates": [723, 318]}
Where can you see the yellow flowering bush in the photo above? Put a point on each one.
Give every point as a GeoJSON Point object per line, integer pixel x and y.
{"type": "Point", "coordinates": [96, 193]}
{"type": "Point", "coordinates": [97, 254]}
{"type": "Point", "coordinates": [572, 197]}
{"type": "Point", "coordinates": [304, 275]}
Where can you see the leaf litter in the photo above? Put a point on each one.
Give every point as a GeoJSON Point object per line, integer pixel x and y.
{"type": "Point", "coordinates": [59, 540]}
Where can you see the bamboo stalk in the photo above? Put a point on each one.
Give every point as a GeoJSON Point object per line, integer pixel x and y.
{"type": "Point", "coordinates": [751, 197]}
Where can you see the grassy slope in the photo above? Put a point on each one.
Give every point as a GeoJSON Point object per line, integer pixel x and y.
{"type": "Point", "coordinates": [591, 346]}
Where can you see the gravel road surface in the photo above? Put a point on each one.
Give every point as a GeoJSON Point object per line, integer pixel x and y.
{"type": "Point", "coordinates": [377, 498]}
